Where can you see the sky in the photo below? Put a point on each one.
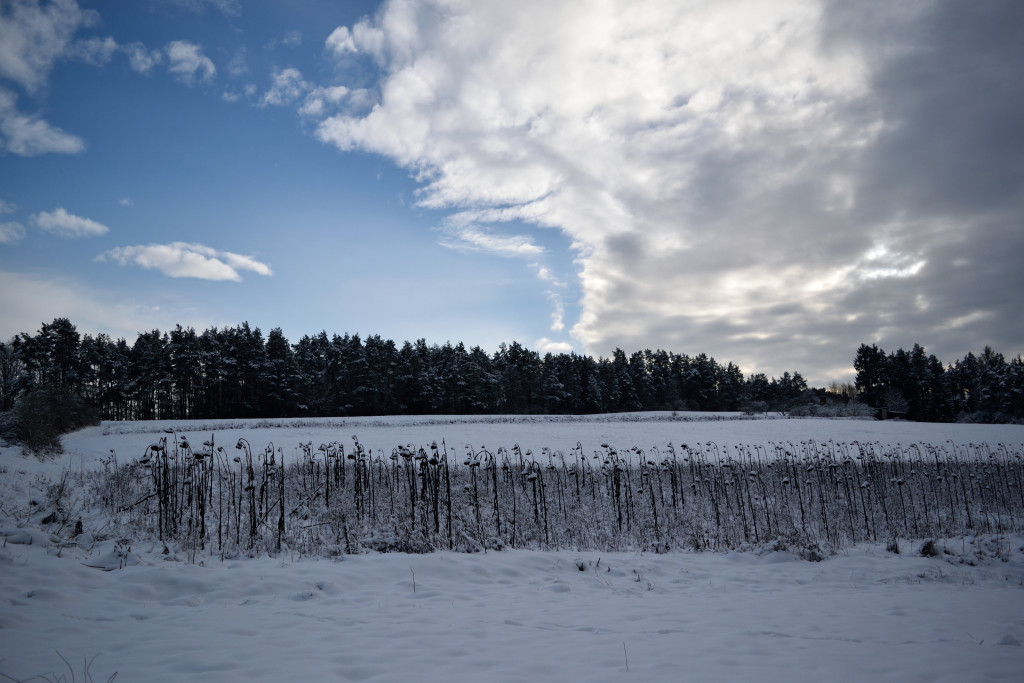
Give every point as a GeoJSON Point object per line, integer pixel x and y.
{"type": "Point", "coordinates": [770, 183]}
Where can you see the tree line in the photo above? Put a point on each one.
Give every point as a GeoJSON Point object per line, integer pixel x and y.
{"type": "Point", "coordinates": [238, 372]}
{"type": "Point", "coordinates": [917, 386]}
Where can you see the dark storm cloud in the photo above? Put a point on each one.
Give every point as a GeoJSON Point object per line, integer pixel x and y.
{"type": "Point", "coordinates": [953, 103]}
{"type": "Point", "coordinates": [947, 172]}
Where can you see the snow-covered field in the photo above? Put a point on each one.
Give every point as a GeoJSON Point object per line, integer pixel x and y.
{"type": "Point", "coordinates": [514, 615]}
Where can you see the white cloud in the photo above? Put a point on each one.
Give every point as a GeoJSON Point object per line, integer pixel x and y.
{"type": "Point", "coordinates": [125, 201]}
{"type": "Point", "coordinates": [287, 86]}
{"type": "Point", "coordinates": [544, 273]}
{"type": "Point", "coordinates": [28, 135]}
{"type": "Point", "coordinates": [95, 51]}
{"type": "Point", "coordinates": [188, 63]}
{"type": "Point", "coordinates": [65, 224]}
{"type": "Point", "coordinates": [290, 39]}
{"type": "Point", "coordinates": [558, 314]}
{"type": "Point", "coordinates": [34, 36]}
{"type": "Point", "coordinates": [545, 345]}
{"type": "Point", "coordinates": [180, 259]}
{"type": "Point", "coordinates": [239, 64]}
{"type": "Point", "coordinates": [882, 262]}
{"type": "Point", "coordinates": [709, 162]}
{"type": "Point", "coordinates": [474, 238]}
{"type": "Point", "coordinates": [340, 41]}
{"type": "Point", "coordinates": [11, 232]}
{"type": "Point", "coordinates": [141, 59]}
{"type": "Point", "coordinates": [320, 100]}
{"type": "Point", "coordinates": [231, 8]}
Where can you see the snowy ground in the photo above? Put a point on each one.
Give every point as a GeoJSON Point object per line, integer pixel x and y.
{"type": "Point", "coordinates": [645, 430]}
{"type": "Point", "coordinates": [866, 614]}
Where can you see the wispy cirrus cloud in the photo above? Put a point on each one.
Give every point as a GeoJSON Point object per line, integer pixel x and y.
{"type": "Point", "coordinates": [60, 222]}
{"type": "Point", "coordinates": [182, 259]}
{"type": "Point", "coordinates": [474, 238]}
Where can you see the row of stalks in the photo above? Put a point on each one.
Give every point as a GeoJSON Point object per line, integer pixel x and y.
{"type": "Point", "coordinates": [341, 498]}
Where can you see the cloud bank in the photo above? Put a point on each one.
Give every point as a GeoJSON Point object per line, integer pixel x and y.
{"type": "Point", "coordinates": [181, 259]}
{"type": "Point", "coordinates": [747, 179]}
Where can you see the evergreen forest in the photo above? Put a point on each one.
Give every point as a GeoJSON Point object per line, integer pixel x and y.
{"type": "Point", "coordinates": [238, 372]}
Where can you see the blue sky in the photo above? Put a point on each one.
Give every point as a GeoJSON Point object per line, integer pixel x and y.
{"type": "Point", "coordinates": [769, 183]}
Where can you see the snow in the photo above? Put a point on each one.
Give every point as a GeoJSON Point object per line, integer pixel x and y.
{"type": "Point", "coordinates": [87, 447]}
{"type": "Point", "coordinates": [514, 615]}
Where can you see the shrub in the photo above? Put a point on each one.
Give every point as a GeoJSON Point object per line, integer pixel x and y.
{"type": "Point", "coordinates": [851, 409]}
{"type": "Point", "coordinates": [40, 417]}
{"type": "Point", "coordinates": [755, 407]}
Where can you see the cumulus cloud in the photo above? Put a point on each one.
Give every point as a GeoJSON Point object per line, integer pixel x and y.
{"type": "Point", "coordinates": [181, 259]}
{"type": "Point", "coordinates": [65, 224]}
{"type": "Point", "coordinates": [188, 64]}
{"type": "Point", "coordinates": [29, 135]}
{"type": "Point", "coordinates": [340, 41]}
{"type": "Point", "coordinates": [771, 183]}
